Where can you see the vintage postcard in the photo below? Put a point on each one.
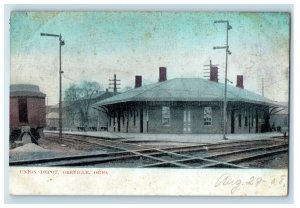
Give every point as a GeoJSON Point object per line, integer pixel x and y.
{"type": "Point", "coordinates": [149, 103]}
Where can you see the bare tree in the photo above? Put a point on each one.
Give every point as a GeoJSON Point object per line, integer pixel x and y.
{"type": "Point", "coordinates": [79, 99]}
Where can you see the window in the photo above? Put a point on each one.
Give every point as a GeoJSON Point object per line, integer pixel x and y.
{"type": "Point", "coordinates": [207, 116]}
{"type": "Point", "coordinates": [23, 113]}
{"type": "Point", "coordinates": [285, 121]}
{"type": "Point", "coordinates": [166, 116]}
{"type": "Point", "coordinates": [240, 120]}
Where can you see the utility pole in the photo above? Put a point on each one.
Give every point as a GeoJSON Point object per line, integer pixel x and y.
{"type": "Point", "coordinates": [262, 87]}
{"type": "Point", "coordinates": [228, 27]}
{"type": "Point", "coordinates": [207, 72]}
{"type": "Point", "coordinates": [61, 43]}
{"type": "Point", "coordinates": [115, 84]}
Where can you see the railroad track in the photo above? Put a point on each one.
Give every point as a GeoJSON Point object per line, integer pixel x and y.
{"type": "Point", "coordinates": [119, 144]}
{"type": "Point", "coordinates": [120, 154]}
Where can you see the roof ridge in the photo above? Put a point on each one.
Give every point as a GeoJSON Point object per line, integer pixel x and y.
{"type": "Point", "coordinates": [159, 84]}
{"type": "Point", "coordinates": [133, 89]}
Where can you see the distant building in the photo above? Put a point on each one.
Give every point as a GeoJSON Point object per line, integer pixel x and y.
{"type": "Point", "coordinates": [186, 105]}
{"type": "Point", "coordinates": [71, 115]}
{"type": "Point", "coordinates": [279, 118]}
{"type": "Point", "coordinates": [52, 116]}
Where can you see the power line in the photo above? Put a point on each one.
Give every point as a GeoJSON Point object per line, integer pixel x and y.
{"type": "Point", "coordinates": [68, 78]}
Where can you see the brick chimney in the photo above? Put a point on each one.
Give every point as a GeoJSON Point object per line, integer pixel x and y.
{"type": "Point", "coordinates": [214, 74]}
{"type": "Point", "coordinates": [240, 81]}
{"type": "Point", "coordinates": [162, 74]}
{"type": "Point", "coordinates": [138, 81]}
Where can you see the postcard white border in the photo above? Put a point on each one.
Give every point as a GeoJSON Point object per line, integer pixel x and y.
{"type": "Point", "coordinates": [8, 199]}
{"type": "Point", "coordinates": [148, 181]}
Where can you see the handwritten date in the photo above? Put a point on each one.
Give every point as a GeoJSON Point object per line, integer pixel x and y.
{"type": "Point", "coordinates": [227, 180]}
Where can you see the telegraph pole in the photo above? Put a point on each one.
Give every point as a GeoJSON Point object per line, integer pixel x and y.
{"type": "Point", "coordinates": [228, 27]}
{"type": "Point", "coordinates": [61, 43]}
{"type": "Point", "coordinates": [115, 84]}
{"type": "Point", "coordinates": [262, 87]}
{"type": "Point", "coordinates": [207, 72]}
{"type": "Point", "coordinates": [60, 96]}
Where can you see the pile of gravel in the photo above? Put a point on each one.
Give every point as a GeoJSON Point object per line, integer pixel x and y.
{"type": "Point", "coordinates": [30, 147]}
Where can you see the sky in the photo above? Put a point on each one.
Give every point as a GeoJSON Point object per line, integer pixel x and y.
{"type": "Point", "coordinates": [101, 44]}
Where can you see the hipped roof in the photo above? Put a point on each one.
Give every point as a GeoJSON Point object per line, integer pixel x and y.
{"type": "Point", "coordinates": [187, 89]}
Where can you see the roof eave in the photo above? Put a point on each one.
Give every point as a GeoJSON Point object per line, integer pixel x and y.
{"type": "Point", "coordinates": [271, 104]}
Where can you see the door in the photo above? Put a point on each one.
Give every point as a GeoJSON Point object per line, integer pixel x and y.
{"type": "Point", "coordinates": [141, 121]}
{"type": "Point", "coordinates": [256, 121]}
{"type": "Point", "coordinates": [147, 120]}
{"type": "Point", "coordinates": [127, 121]}
{"type": "Point", "coordinates": [114, 121]}
{"type": "Point", "coordinates": [119, 121]}
{"type": "Point", "coordinates": [187, 121]}
{"type": "Point", "coordinates": [23, 113]}
{"type": "Point", "coordinates": [249, 124]}
{"type": "Point", "coordinates": [232, 121]}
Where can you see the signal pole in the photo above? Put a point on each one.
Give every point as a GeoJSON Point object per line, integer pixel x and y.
{"type": "Point", "coordinates": [228, 27]}
{"type": "Point", "coordinates": [262, 87]}
{"type": "Point", "coordinates": [115, 84]}
{"type": "Point", "coordinates": [61, 43]}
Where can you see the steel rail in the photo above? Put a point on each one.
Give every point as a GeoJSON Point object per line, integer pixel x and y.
{"type": "Point", "coordinates": [53, 159]}
{"type": "Point", "coordinates": [242, 159]}
{"type": "Point", "coordinates": [172, 162]}
{"type": "Point", "coordinates": [183, 147]}
{"type": "Point", "coordinates": [143, 155]}
{"type": "Point", "coordinates": [216, 162]}
{"type": "Point", "coordinates": [139, 152]}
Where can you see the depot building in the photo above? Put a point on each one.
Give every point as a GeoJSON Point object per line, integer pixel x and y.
{"type": "Point", "coordinates": [186, 105]}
